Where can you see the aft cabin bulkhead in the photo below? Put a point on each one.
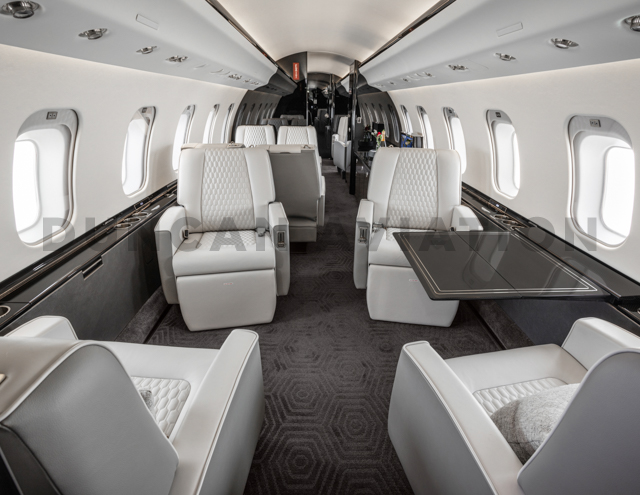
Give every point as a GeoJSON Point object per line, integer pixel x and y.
{"type": "Point", "coordinates": [278, 247]}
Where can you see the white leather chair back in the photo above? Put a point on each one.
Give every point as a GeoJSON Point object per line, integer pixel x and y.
{"type": "Point", "coordinates": [298, 135]}
{"type": "Point", "coordinates": [593, 448]}
{"type": "Point", "coordinates": [415, 188]}
{"type": "Point", "coordinates": [343, 129]}
{"type": "Point", "coordinates": [225, 188]}
{"type": "Point", "coordinates": [254, 135]}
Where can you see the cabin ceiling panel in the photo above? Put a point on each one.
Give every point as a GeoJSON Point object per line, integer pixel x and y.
{"type": "Point", "coordinates": [328, 63]}
{"type": "Point", "coordinates": [352, 29]}
{"type": "Point", "coordinates": [191, 28]}
{"type": "Point", "coordinates": [471, 33]}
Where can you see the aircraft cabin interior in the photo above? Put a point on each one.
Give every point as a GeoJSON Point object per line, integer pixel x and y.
{"type": "Point", "coordinates": [339, 247]}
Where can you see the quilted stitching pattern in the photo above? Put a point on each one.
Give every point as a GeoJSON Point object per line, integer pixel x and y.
{"type": "Point", "coordinates": [255, 135]}
{"type": "Point", "coordinates": [214, 241]}
{"type": "Point", "coordinates": [492, 399]}
{"type": "Point", "coordinates": [297, 135]}
{"type": "Point", "coordinates": [227, 201]}
{"type": "Point", "coordinates": [413, 201]}
{"type": "Point", "coordinates": [169, 398]}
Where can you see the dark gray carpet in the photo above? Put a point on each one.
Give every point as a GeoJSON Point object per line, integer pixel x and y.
{"type": "Point", "coordinates": [328, 368]}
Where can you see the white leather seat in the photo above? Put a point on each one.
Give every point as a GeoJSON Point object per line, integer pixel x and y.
{"type": "Point", "coordinates": [235, 260]}
{"type": "Point", "coordinates": [440, 425]}
{"type": "Point", "coordinates": [301, 135]}
{"type": "Point", "coordinates": [255, 135]}
{"type": "Point", "coordinates": [98, 436]}
{"type": "Point", "coordinates": [341, 147]}
{"type": "Point", "coordinates": [409, 189]}
{"type": "Point", "coordinates": [300, 187]}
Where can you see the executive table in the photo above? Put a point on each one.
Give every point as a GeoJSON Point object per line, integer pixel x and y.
{"type": "Point", "coordinates": [491, 265]}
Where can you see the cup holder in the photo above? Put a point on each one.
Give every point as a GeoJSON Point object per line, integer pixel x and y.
{"type": "Point", "coordinates": [500, 216]}
{"type": "Point", "coordinates": [4, 311]}
{"type": "Point", "coordinates": [123, 225]}
{"type": "Point", "coordinates": [513, 224]}
{"type": "Point", "coordinates": [140, 215]}
{"type": "Point", "coordinates": [133, 219]}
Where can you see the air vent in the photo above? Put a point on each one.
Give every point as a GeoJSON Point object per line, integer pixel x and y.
{"type": "Point", "coordinates": [177, 59]}
{"type": "Point", "coordinates": [93, 34]}
{"type": "Point", "coordinates": [235, 77]}
{"type": "Point", "coordinates": [563, 43]}
{"type": "Point", "coordinates": [505, 57]}
{"type": "Point", "coordinates": [20, 10]}
{"type": "Point", "coordinates": [459, 68]}
{"type": "Point", "coordinates": [146, 50]}
{"type": "Point", "coordinates": [424, 74]}
{"type": "Point", "coordinates": [633, 21]}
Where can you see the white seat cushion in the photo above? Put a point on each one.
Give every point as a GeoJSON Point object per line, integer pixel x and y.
{"type": "Point", "coordinates": [492, 399]}
{"type": "Point", "coordinates": [384, 250]}
{"type": "Point", "coordinates": [254, 135]}
{"type": "Point", "coordinates": [224, 252]}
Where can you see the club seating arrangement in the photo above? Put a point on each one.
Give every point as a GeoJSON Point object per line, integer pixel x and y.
{"type": "Point", "coordinates": [224, 251]}
{"type": "Point", "coordinates": [254, 135]}
{"type": "Point", "coordinates": [300, 188]}
{"type": "Point", "coordinates": [341, 147]}
{"type": "Point", "coordinates": [409, 189]}
{"type": "Point", "coordinates": [440, 424]}
{"type": "Point", "coordinates": [72, 421]}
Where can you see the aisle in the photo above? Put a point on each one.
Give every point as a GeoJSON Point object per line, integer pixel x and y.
{"type": "Point", "coordinates": [328, 368]}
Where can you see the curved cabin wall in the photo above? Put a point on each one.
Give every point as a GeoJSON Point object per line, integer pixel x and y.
{"type": "Point", "coordinates": [540, 106]}
{"type": "Point", "coordinates": [104, 97]}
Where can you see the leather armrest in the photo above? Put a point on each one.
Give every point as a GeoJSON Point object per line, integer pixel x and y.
{"type": "Point", "coordinates": [364, 222]}
{"type": "Point", "coordinates": [49, 327]}
{"type": "Point", "coordinates": [464, 219]}
{"type": "Point", "coordinates": [590, 339]}
{"type": "Point", "coordinates": [279, 227]}
{"type": "Point", "coordinates": [169, 235]}
{"type": "Point", "coordinates": [445, 441]}
{"type": "Point", "coordinates": [321, 202]}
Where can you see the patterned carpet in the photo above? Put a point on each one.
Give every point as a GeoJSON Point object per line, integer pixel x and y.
{"type": "Point", "coordinates": [328, 368]}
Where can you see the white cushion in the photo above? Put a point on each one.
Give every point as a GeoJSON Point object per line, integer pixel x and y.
{"type": "Point", "coordinates": [224, 252]}
{"type": "Point", "coordinates": [384, 250]}
{"type": "Point", "coordinates": [253, 135]}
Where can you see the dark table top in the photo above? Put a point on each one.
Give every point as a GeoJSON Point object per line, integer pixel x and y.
{"type": "Point", "coordinates": [490, 265]}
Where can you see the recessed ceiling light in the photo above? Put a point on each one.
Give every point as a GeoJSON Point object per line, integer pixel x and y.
{"type": "Point", "coordinates": [20, 10]}
{"type": "Point", "coordinates": [146, 50]}
{"type": "Point", "coordinates": [505, 57]}
{"type": "Point", "coordinates": [564, 43]}
{"type": "Point", "coordinates": [177, 58]}
{"type": "Point", "coordinates": [93, 34]}
{"type": "Point", "coordinates": [634, 22]}
{"type": "Point", "coordinates": [458, 67]}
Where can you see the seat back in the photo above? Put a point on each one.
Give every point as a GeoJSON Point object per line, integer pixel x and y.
{"type": "Point", "coordinates": [292, 117]}
{"type": "Point", "coordinates": [298, 135]}
{"type": "Point", "coordinates": [254, 135]}
{"type": "Point", "coordinates": [299, 122]}
{"type": "Point", "coordinates": [415, 188]}
{"type": "Point", "coordinates": [343, 130]}
{"type": "Point", "coordinates": [225, 188]}
{"type": "Point", "coordinates": [277, 123]}
{"type": "Point", "coordinates": [296, 179]}
{"type": "Point", "coordinates": [72, 422]}
{"type": "Point", "coordinates": [594, 446]}
{"type": "Point", "coordinates": [335, 123]}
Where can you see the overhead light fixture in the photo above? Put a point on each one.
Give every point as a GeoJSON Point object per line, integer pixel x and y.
{"type": "Point", "coordinates": [235, 77]}
{"type": "Point", "coordinates": [634, 23]}
{"type": "Point", "coordinates": [563, 43]}
{"type": "Point", "coordinates": [146, 50]}
{"type": "Point", "coordinates": [20, 10]}
{"type": "Point", "coordinates": [177, 59]}
{"type": "Point", "coordinates": [505, 57]}
{"type": "Point", "coordinates": [93, 34]}
{"type": "Point", "coordinates": [406, 79]}
{"type": "Point", "coordinates": [460, 68]}
{"type": "Point", "coordinates": [424, 74]}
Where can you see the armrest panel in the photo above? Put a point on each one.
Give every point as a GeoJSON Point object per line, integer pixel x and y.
{"type": "Point", "coordinates": [321, 202]}
{"type": "Point", "coordinates": [464, 219]}
{"type": "Point", "coordinates": [49, 327]}
{"type": "Point", "coordinates": [364, 223]}
{"type": "Point", "coordinates": [444, 439]}
{"type": "Point", "coordinates": [590, 339]}
{"type": "Point", "coordinates": [279, 225]}
{"type": "Point", "coordinates": [169, 235]}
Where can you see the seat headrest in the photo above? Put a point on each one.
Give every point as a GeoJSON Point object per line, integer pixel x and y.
{"type": "Point", "coordinates": [253, 135]}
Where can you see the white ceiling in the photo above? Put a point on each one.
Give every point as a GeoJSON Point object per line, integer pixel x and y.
{"type": "Point", "coordinates": [471, 32]}
{"type": "Point", "coordinates": [351, 29]}
{"type": "Point", "coordinates": [215, 50]}
{"type": "Point", "coordinates": [328, 63]}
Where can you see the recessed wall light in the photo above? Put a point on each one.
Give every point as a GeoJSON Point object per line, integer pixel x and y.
{"type": "Point", "coordinates": [93, 34]}
{"type": "Point", "coordinates": [146, 50]}
{"type": "Point", "coordinates": [505, 57]}
{"type": "Point", "coordinates": [177, 58]}
{"type": "Point", "coordinates": [458, 67]}
{"type": "Point", "coordinates": [20, 10]}
{"type": "Point", "coordinates": [563, 43]}
{"type": "Point", "coordinates": [634, 22]}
